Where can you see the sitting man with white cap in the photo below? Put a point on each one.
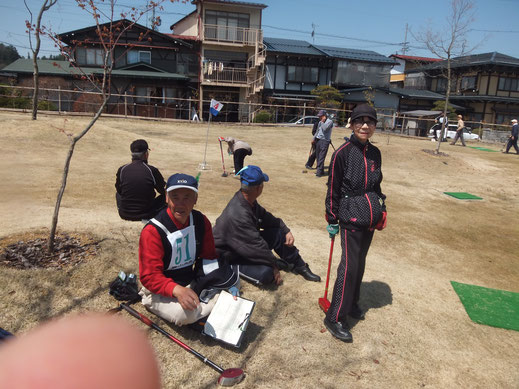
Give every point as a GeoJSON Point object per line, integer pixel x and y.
{"type": "Point", "coordinates": [178, 265]}
{"type": "Point", "coordinates": [245, 234]}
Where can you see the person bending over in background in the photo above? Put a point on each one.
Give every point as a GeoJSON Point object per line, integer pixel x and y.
{"type": "Point", "coordinates": [245, 233]}
{"type": "Point", "coordinates": [177, 259]}
{"type": "Point", "coordinates": [136, 184]}
{"type": "Point", "coordinates": [355, 206]}
{"type": "Point", "coordinates": [239, 149]}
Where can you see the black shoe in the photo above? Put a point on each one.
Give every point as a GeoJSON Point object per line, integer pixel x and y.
{"type": "Point", "coordinates": [319, 175]}
{"type": "Point", "coordinates": [357, 313]}
{"type": "Point", "coordinates": [308, 167]}
{"type": "Point", "coordinates": [307, 273]}
{"type": "Point", "coordinates": [337, 329]}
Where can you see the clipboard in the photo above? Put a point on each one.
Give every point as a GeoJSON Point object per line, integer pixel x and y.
{"type": "Point", "coordinates": [229, 319]}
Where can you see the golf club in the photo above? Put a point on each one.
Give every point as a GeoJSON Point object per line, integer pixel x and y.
{"type": "Point", "coordinates": [224, 174]}
{"type": "Point", "coordinates": [228, 377]}
{"type": "Point", "coordinates": [324, 303]}
{"type": "Point", "coordinates": [333, 146]}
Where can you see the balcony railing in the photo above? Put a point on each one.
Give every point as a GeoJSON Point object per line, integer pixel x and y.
{"type": "Point", "coordinates": [225, 76]}
{"type": "Point", "coordinates": [230, 34]}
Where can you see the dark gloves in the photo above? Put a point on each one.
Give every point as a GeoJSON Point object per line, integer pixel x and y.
{"type": "Point", "coordinates": [382, 222]}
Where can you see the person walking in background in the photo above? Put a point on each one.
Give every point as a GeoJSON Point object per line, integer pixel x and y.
{"type": "Point", "coordinates": [137, 184]}
{"type": "Point", "coordinates": [459, 131]}
{"type": "Point", "coordinates": [512, 141]}
{"type": "Point", "coordinates": [354, 207]}
{"type": "Point", "coordinates": [311, 156]}
{"type": "Point", "coordinates": [239, 149]}
{"type": "Point", "coordinates": [322, 139]}
{"type": "Point", "coordinates": [438, 126]}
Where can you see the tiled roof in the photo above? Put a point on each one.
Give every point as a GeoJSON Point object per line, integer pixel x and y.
{"type": "Point", "coordinates": [354, 54]}
{"type": "Point", "coordinates": [290, 46]}
{"type": "Point", "coordinates": [417, 93]}
{"type": "Point", "coordinates": [493, 58]}
{"type": "Point", "coordinates": [63, 68]}
{"type": "Point", "coordinates": [238, 3]}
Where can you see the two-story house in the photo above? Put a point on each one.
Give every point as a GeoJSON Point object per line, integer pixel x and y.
{"type": "Point", "coordinates": [150, 71]}
{"type": "Point", "coordinates": [486, 85]}
{"type": "Point", "coordinates": [231, 54]}
{"type": "Point", "coordinates": [295, 67]}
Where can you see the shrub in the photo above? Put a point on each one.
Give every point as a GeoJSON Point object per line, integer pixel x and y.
{"type": "Point", "coordinates": [263, 117]}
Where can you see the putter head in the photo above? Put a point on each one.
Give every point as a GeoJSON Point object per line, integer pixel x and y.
{"type": "Point", "coordinates": [225, 174]}
{"type": "Point", "coordinates": [230, 377]}
{"type": "Point", "coordinates": [324, 304]}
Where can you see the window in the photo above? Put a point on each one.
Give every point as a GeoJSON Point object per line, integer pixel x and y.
{"type": "Point", "coordinates": [508, 84]}
{"type": "Point", "coordinates": [226, 26]}
{"type": "Point", "coordinates": [468, 82]}
{"type": "Point", "coordinates": [135, 56]}
{"type": "Point", "coordinates": [90, 56]}
{"type": "Point", "coordinates": [441, 85]}
{"type": "Point", "coordinates": [302, 74]}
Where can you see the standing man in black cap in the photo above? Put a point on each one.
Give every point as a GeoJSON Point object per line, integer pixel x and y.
{"type": "Point", "coordinates": [355, 206]}
{"type": "Point", "coordinates": [137, 184]}
{"type": "Point", "coordinates": [322, 140]}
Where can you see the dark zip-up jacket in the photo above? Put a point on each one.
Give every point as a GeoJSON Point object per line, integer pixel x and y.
{"type": "Point", "coordinates": [237, 230]}
{"type": "Point", "coordinates": [354, 197]}
{"type": "Point", "coordinates": [136, 183]}
{"type": "Point", "coordinates": [515, 130]}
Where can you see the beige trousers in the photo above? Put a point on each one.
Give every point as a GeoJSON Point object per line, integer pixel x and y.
{"type": "Point", "coordinates": [170, 309]}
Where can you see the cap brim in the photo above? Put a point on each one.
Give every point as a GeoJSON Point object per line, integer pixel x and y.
{"type": "Point", "coordinates": [181, 186]}
{"type": "Point", "coordinates": [265, 177]}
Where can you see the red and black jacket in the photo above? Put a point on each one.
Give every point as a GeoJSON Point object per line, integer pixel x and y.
{"type": "Point", "coordinates": [354, 197]}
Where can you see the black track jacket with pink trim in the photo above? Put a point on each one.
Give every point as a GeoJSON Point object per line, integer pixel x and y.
{"type": "Point", "coordinates": [354, 197]}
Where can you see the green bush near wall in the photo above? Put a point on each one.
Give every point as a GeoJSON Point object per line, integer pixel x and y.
{"type": "Point", "coordinates": [263, 117]}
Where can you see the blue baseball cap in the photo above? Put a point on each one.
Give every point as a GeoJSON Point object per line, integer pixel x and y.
{"type": "Point", "coordinates": [252, 175]}
{"type": "Point", "coordinates": [179, 180]}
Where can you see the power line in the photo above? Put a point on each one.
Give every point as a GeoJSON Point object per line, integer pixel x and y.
{"type": "Point", "coordinates": [498, 31]}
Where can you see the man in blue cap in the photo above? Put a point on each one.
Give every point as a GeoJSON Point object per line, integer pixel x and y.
{"type": "Point", "coordinates": [245, 234]}
{"type": "Point", "coordinates": [178, 264]}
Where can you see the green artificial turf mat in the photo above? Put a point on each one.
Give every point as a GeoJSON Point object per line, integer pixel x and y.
{"type": "Point", "coordinates": [483, 149]}
{"type": "Point", "coordinates": [492, 307]}
{"type": "Point", "coordinates": [463, 196]}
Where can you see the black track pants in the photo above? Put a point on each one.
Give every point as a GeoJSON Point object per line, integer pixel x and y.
{"type": "Point", "coordinates": [355, 245]}
{"type": "Point", "coordinates": [311, 156]}
{"type": "Point", "coordinates": [264, 274]}
{"type": "Point", "coordinates": [239, 157]}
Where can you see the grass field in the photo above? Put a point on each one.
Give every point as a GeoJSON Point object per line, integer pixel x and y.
{"type": "Point", "coordinates": [416, 333]}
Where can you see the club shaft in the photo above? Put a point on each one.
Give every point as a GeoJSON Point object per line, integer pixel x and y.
{"type": "Point", "coordinates": [221, 152]}
{"type": "Point", "coordinates": [151, 324]}
{"type": "Point", "coordinates": [329, 266]}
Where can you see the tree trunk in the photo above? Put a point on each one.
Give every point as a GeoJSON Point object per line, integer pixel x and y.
{"type": "Point", "coordinates": [446, 107]}
{"type": "Point", "coordinates": [36, 88]}
{"type": "Point", "coordinates": [73, 141]}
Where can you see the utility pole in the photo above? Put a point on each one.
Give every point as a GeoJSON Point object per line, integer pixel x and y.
{"type": "Point", "coordinates": [313, 32]}
{"type": "Point", "coordinates": [405, 44]}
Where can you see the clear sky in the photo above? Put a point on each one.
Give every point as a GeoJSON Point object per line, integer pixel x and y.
{"type": "Point", "coordinates": [377, 25]}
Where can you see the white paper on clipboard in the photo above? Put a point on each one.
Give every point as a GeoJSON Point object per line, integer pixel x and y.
{"type": "Point", "coordinates": [229, 319]}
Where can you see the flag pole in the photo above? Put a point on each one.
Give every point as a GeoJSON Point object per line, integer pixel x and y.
{"type": "Point", "coordinates": [203, 165]}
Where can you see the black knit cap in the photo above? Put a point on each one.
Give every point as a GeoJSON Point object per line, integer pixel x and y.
{"type": "Point", "coordinates": [139, 146]}
{"type": "Point", "coordinates": [364, 110]}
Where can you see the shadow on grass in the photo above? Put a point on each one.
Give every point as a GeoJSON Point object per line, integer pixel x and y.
{"type": "Point", "coordinates": [373, 295]}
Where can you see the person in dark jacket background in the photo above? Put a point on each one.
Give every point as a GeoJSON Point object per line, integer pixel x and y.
{"type": "Point", "coordinates": [355, 207]}
{"type": "Point", "coordinates": [137, 183]}
{"type": "Point", "coordinates": [512, 141]}
{"type": "Point", "coordinates": [311, 156]}
{"type": "Point", "coordinates": [245, 234]}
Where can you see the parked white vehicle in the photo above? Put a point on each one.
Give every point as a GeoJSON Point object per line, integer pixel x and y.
{"type": "Point", "coordinates": [305, 120]}
{"type": "Point", "coordinates": [451, 132]}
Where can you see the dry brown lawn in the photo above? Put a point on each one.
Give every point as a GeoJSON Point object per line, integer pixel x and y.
{"type": "Point", "coordinates": [416, 333]}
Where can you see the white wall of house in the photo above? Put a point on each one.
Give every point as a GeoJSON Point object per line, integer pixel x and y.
{"type": "Point", "coordinates": [187, 26]}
